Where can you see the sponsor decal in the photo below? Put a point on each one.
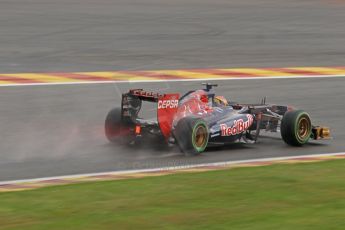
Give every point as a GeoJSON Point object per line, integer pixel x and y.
{"type": "Point", "coordinates": [142, 93]}
{"type": "Point", "coordinates": [167, 104]}
{"type": "Point", "coordinates": [167, 107]}
{"type": "Point", "coordinates": [238, 127]}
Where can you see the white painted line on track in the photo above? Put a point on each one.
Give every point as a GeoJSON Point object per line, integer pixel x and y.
{"type": "Point", "coordinates": [223, 163]}
{"type": "Point", "coordinates": [171, 80]}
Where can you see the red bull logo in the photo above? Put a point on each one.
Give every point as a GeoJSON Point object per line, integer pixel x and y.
{"type": "Point", "coordinates": [238, 127]}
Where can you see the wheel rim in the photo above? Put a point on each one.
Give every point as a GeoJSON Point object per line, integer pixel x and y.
{"type": "Point", "coordinates": [303, 128]}
{"type": "Point", "coordinates": [200, 137]}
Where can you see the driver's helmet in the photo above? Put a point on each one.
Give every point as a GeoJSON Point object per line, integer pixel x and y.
{"type": "Point", "coordinates": [220, 101]}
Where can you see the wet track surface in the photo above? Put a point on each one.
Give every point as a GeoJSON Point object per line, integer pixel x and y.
{"type": "Point", "coordinates": [84, 35]}
{"type": "Point", "coordinates": [58, 130]}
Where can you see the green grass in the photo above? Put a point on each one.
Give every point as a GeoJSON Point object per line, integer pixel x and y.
{"type": "Point", "coordinates": [300, 196]}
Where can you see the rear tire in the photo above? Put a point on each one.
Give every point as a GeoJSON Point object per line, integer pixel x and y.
{"type": "Point", "coordinates": [192, 135]}
{"type": "Point", "coordinates": [296, 128]}
{"type": "Point", "coordinates": [115, 130]}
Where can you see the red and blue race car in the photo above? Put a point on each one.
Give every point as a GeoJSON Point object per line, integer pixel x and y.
{"type": "Point", "coordinates": [200, 119]}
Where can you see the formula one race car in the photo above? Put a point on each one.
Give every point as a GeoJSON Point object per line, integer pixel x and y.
{"type": "Point", "coordinates": [200, 119]}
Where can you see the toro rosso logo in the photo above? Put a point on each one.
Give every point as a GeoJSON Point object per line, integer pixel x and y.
{"type": "Point", "coordinates": [238, 127]}
{"type": "Point", "coordinates": [167, 104]}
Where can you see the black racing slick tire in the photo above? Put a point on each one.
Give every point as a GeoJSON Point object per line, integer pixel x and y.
{"type": "Point", "coordinates": [191, 135]}
{"type": "Point", "coordinates": [115, 130]}
{"type": "Point", "coordinates": [296, 127]}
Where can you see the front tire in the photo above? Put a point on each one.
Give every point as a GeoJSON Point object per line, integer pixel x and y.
{"type": "Point", "coordinates": [296, 127]}
{"type": "Point", "coordinates": [192, 135]}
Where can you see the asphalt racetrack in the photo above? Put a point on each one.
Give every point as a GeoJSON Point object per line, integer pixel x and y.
{"type": "Point", "coordinates": [58, 130]}
{"type": "Point", "coordinates": [101, 35]}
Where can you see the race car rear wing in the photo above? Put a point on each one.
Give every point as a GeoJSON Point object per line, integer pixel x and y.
{"type": "Point", "coordinates": [167, 105]}
{"type": "Point", "coordinates": [144, 95]}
